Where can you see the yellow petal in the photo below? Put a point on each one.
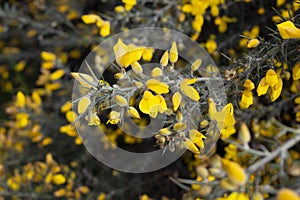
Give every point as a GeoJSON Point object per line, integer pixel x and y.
{"type": "Point", "coordinates": [196, 64]}
{"type": "Point", "coordinates": [190, 92]}
{"type": "Point", "coordinates": [156, 72]}
{"type": "Point", "coordinates": [154, 109]}
{"type": "Point", "coordinates": [249, 85]}
{"type": "Point", "coordinates": [271, 77]}
{"type": "Point", "coordinates": [179, 126]}
{"type": "Point", "coordinates": [211, 108]}
{"type": "Point", "coordinates": [247, 99]}
{"type": "Point", "coordinates": [235, 172]}
{"type": "Point", "coordinates": [71, 116]}
{"type": "Point", "coordinates": [131, 56]}
{"type": "Point", "coordinates": [253, 43]}
{"type": "Point", "coordinates": [276, 90]}
{"type": "Point", "coordinates": [296, 71]}
{"type": "Point", "coordinates": [288, 30]}
{"type": "Point", "coordinates": [119, 50]}
{"type": "Point", "coordinates": [90, 18]}
{"type": "Point", "coordinates": [83, 104]}
{"type": "Point", "coordinates": [165, 131]}
{"type": "Point", "coordinates": [57, 74]}
{"type": "Point", "coordinates": [262, 87]}
{"type": "Point", "coordinates": [48, 56]}
{"type": "Point", "coordinates": [173, 53]}
{"type": "Point", "coordinates": [133, 112]}
{"type": "Point", "coordinates": [287, 194]}
{"type": "Point", "coordinates": [157, 86]}
{"type": "Point", "coordinates": [137, 68]}
{"type": "Point", "coordinates": [84, 80]}
{"type": "Point", "coordinates": [94, 120]}
{"type": "Point", "coordinates": [20, 100]}
{"type": "Point", "coordinates": [105, 29]}
{"type": "Point", "coordinates": [148, 54]}
{"type": "Point", "coordinates": [58, 179]}
{"type": "Point", "coordinates": [188, 144]}
{"type": "Point", "coordinates": [163, 103]}
{"type": "Point", "coordinates": [176, 100]}
{"type": "Point", "coordinates": [36, 98]}
{"type": "Point", "coordinates": [121, 100]}
{"type": "Point", "coordinates": [164, 59]}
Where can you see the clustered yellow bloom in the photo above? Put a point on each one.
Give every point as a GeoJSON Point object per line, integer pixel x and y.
{"type": "Point", "coordinates": [224, 119]}
{"type": "Point", "coordinates": [152, 104]}
{"type": "Point", "coordinates": [272, 83]}
{"type": "Point", "coordinates": [100, 23]}
{"type": "Point", "coordinates": [247, 97]}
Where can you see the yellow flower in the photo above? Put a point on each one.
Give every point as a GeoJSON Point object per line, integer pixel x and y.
{"type": "Point", "coordinates": [188, 144]}
{"type": "Point", "coordinates": [238, 196]}
{"type": "Point", "coordinates": [20, 100]}
{"type": "Point", "coordinates": [114, 117]}
{"type": "Point", "coordinates": [148, 54]}
{"type": "Point", "coordinates": [157, 86]}
{"type": "Point", "coordinates": [247, 99]}
{"type": "Point", "coordinates": [197, 138]}
{"type": "Point", "coordinates": [196, 64]}
{"type": "Point", "coordinates": [263, 87]}
{"type": "Point", "coordinates": [235, 172]}
{"type": "Point", "coordinates": [224, 118]}
{"type": "Point", "coordinates": [137, 68]}
{"type": "Point", "coordinates": [57, 74]}
{"type": "Point", "coordinates": [276, 90]}
{"type": "Point", "coordinates": [83, 104]}
{"type": "Point", "coordinates": [94, 119]}
{"type": "Point", "coordinates": [173, 53]}
{"type": "Point", "coordinates": [129, 4]}
{"type": "Point", "coordinates": [105, 29]}
{"type": "Point", "coordinates": [90, 18]}
{"type": "Point", "coordinates": [296, 71]}
{"type": "Point", "coordinates": [156, 72]}
{"type": "Point", "coordinates": [253, 43]}
{"type": "Point", "coordinates": [20, 66]}
{"type": "Point", "coordinates": [176, 100]}
{"type": "Point", "coordinates": [48, 56]}
{"type": "Point", "coordinates": [244, 133]}
{"type": "Point", "coordinates": [249, 85]}
{"type": "Point", "coordinates": [164, 59]}
{"type": "Point", "coordinates": [188, 90]}
{"type": "Point", "coordinates": [271, 77]}
{"type": "Point", "coordinates": [58, 179]}
{"type": "Point", "coordinates": [133, 112]}
{"type": "Point", "coordinates": [287, 194]}
{"type": "Point", "coordinates": [211, 46]}
{"type": "Point", "coordinates": [151, 104]}
{"type": "Point", "coordinates": [198, 23]}
{"type": "Point", "coordinates": [126, 55]}
{"type": "Point", "coordinates": [121, 100]}
{"type": "Point", "coordinates": [288, 30]}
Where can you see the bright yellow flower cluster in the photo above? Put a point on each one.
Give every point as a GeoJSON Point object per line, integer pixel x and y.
{"type": "Point", "coordinates": [272, 83]}
{"type": "Point", "coordinates": [103, 25]}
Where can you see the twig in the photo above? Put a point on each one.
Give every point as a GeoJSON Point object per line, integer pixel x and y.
{"type": "Point", "coordinates": [290, 143]}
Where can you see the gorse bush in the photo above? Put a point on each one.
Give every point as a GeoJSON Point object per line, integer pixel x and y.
{"type": "Point", "coordinates": [243, 145]}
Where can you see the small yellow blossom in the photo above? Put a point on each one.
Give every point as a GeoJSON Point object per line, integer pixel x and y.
{"type": "Point", "coordinates": [288, 30]}
{"type": "Point", "coordinates": [247, 99]}
{"type": "Point", "coordinates": [137, 68]}
{"type": "Point", "coordinates": [94, 119]}
{"type": "Point", "coordinates": [235, 172]}
{"type": "Point", "coordinates": [296, 71]}
{"type": "Point", "coordinates": [164, 59]}
{"type": "Point", "coordinates": [156, 72]}
{"type": "Point", "coordinates": [114, 117]}
{"type": "Point", "coordinates": [57, 74]}
{"type": "Point", "coordinates": [133, 112]}
{"type": "Point", "coordinates": [58, 179]}
{"type": "Point", "coordinates": [287, 194]}
{"type": "Point", "coordinates": [253, 43]}
{"type": "Point", "coordinates": [188, 90]}
{"type": "Point", "coordinates": [249, 85]}
{"type": "Point", "coordinates": [90, 18]}
{"type": "Point", "coordinates": [176, 100]}
{"type": "Point", "coordinates": [105, 29]}
{"type": "Point", "coordinates": [188, 144]}
{"type": "Point", "coordinates": [20, 100]}
{"type": "Point", "coordinates": [263, 87]}
{"type": "Point", "coordinates": [157, 86]}
{"type": "Point", "coordinates": [275, 91]}
{"type": "Point", "coordinates": [121, 101]}
{"type": "Point", "coordinates": [196, 64]}
{"type": "Point", "coordinates": [48, 56]}
{"type": "Point", "coordinates": [173, 53]}
{"type": "Point", "coordinates": [271, 77]}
